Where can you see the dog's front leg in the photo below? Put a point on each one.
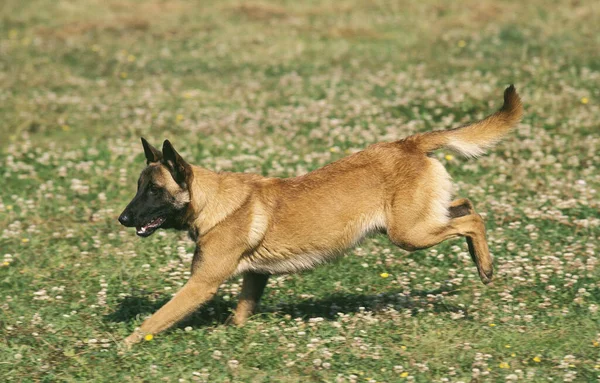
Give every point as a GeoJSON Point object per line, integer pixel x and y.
{"type": "Point", "coordinates": [211, 269]}
{"type": "Point", "coordinates": [252, 289]}
{"type": "Point", "coordinates": [186, 301]}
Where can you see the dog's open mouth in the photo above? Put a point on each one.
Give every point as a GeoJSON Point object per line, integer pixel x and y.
{"type": "Point", "coordinates": [150, 227]}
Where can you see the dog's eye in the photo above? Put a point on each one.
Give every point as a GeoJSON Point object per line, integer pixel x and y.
{"type": "Point", "coordinates": [153, 189]}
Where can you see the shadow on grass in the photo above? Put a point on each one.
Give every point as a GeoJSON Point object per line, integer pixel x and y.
{"type": "Point", "coordinates": [218, 310]}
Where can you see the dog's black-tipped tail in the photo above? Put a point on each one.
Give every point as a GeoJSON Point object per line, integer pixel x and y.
{"type": "Point", "coordinates": [472, 140]}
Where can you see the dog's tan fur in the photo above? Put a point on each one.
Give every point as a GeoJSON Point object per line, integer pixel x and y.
{"type": "Point", "coordinates": [245, 223]}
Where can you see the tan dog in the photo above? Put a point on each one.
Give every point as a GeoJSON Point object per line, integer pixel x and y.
{"type": "Point", "coordinates": [258, 226]}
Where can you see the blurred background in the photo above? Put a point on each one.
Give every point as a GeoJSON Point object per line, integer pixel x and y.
{"type": "Point", "coordinates": [68, 68]}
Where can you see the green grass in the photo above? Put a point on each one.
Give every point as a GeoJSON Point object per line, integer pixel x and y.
{"type": "Point", "coordinates": [281, 88]}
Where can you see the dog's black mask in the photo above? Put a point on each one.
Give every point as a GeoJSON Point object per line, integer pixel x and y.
{"type": "Point", "coordinates": [162, 198]}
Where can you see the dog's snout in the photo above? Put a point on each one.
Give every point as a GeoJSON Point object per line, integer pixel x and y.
{"type": "Point", "coordinates": [125, 219]}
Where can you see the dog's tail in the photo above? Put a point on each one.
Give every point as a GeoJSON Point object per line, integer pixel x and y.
{"type": "Point", "coordinates": [472, 140]}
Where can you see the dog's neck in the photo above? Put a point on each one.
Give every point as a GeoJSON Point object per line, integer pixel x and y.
{"type": "Point", "coordinates": [214, 196]}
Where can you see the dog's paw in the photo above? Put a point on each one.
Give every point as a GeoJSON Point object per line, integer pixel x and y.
{"type": "Point", "coordinates": [134, 338]}
{"type": "Point", "coordinates": [486, 275]}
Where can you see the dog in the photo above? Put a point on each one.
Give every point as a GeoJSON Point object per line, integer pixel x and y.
{"type": "Point", "coordinates": [258, 226]}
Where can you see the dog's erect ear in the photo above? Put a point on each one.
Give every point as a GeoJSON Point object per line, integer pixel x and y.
{"type": "Point", "coordinates": [152, 154]}
{"type": "Point", "coordinates": [173, 161]}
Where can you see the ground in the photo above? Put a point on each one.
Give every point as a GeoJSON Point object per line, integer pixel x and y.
{"type": "Point", "coordinates": [282, 88]}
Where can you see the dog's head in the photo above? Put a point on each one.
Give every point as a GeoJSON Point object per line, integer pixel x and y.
{"type": "Point", "coordinates": [162, 196]}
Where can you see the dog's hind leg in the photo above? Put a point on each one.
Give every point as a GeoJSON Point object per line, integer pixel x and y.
{"type": "Point", "coordinates": [478, 248]}
{"type": "Point", "coordinates": [460, 208]}
{"type": "Point", "coordinates": [464, 222]}
{"type": "Point", "coordinates": [252, 289]}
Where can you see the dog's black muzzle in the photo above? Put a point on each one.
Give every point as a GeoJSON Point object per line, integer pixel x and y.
{"type": "Point", "coordinates": [126, 219]}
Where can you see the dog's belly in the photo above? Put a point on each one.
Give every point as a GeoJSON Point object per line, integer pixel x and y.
{"type": "Point", "coordinates": [278, 264]}
{"type": "Point", "coordinates": [294, 252]}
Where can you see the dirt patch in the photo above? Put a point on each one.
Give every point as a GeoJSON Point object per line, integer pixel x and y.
{"type": "Point", "coordinates": [79, 28]}
{"type": "Point", "coordinates": [119, 17]}
{"type": "Point", "coordinates": [261, 12]}
{"type": "Point", "coordinates": [354, 33]}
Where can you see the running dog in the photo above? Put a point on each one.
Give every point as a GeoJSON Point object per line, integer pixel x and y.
{"type": "Point", "coordinates": [258, 226]}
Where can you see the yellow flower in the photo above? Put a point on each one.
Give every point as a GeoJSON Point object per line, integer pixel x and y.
{"type": "Point", "coordinates": [384, 275]}
{"type": "Point", "coordinates": [449, 157]}
{"type": "Point", "coordinates": [65, 127]}
{"type": "Point", "coordinates": [123, 74]}
{"type": "Point", "coordinates": [537, 359]}
{"type": "Point", "coordinates": [513, 354]}
{"type": "Point", "coordinates": [404, 374]}
{"type": "Point", "coordinates": [595, 344]}
{"type": "Point", "coordinates": [179, 117]}
{"type": "Point", "coordinates": [507, 346]}
{"type": "Point", "coordinates": [9, 207]}
{"type": "Point", "coordinates": [504, 365]}
{"type": "Point", "coordinates": [492, 324]}
{"type": "Point", "coordinates": [461, 43]}
{"type": "Point", "coordinates": [5, 263]}
{"type": "Point", "coordinates": [585, 100]}
{"type": "Point", "coordinates": [131, 58]}
{"type": "Point", "coordinates": [334, 149]}
{"type": "Point", "coordinates": [403, 347]}
{"type": "Point", "coordinates": [148, 337]}
{"type": "Point", "coordinates": [597, 367]}
{"type": "Point", "coordinates": [25, 240]}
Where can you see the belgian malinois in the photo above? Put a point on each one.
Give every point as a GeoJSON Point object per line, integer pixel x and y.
{"type": "Point", "coordinates": [257, 226]}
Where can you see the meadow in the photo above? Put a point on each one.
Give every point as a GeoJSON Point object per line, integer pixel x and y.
{"type": "Point", "coordinates": [282, 88]}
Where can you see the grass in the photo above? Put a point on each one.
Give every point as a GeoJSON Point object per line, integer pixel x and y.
{"type": "Point", "coordinates": [282, 88]}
